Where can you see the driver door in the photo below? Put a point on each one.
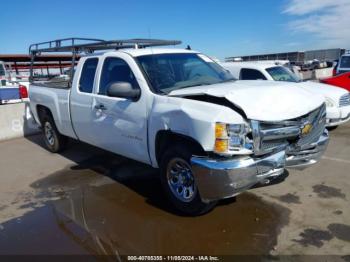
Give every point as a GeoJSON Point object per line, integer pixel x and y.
{"type": "Point", "coordinates": [119, 124]}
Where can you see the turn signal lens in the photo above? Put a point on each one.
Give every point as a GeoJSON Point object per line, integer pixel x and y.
{"type": "Point", "coordinates": [221, 145]}
{"type": "Point", "coordinates": [220, 130]}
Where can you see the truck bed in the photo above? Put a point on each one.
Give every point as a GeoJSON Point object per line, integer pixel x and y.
{"type": "Point", "coordinates": [56, 99]}
{"type": "Point", "coordinates": [58, 83]}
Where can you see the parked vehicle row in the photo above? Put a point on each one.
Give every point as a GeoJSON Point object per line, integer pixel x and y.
{"type": "Point", "coordinates": [337, 99]}
{"type": "Point", "coordinates": [343, 65]}
{"type": "Point", "coordinates": [212, 137]}
{"type": "Point", "coordinates": [11, 92]}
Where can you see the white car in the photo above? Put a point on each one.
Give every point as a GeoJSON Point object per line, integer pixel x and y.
{"type": "Point", "coordinates": [211, 136]}
{"type": "Point", "coordinates": [337, 99]}
{"type": "Point", "coordinates": [343, 64]}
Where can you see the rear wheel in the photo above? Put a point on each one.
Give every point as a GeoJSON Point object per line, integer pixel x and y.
{"type": "Point", "coordinates": [54, 141]}
{"type": "Point", "coordinates": [179, 184]}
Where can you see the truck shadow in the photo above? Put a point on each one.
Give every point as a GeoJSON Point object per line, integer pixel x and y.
{"type": "Point", "coordinates": [138, 177]}
{"type": "Point", "coordinates": [110, 205]}
{"type": "Point", "coordinates": [141, 178]}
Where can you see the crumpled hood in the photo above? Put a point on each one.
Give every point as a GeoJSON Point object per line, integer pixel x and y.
{"type": "Point", "coordinates": [261, 100]}
{"type": "Point", "coordinates": [329, 91]}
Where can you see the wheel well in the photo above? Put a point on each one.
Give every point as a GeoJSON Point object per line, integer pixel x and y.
{"type": "Point", "coordinates": [166, 138]}
{"type": "Point", "coordinates": [43, 111]}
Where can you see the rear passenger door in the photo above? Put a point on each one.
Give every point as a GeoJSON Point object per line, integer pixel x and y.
{"type": "Point", "coordinates": [251, 74]}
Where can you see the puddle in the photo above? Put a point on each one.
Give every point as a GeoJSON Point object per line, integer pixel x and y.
{"type": "Point", "coordinates": [317, 238]}
{"type": "Point", "coordinates": [346, 258]}
{"type": "Point", "coordinates": [324, 191]}
{"type": "Point", "coordinates": [313, 237]}
{"type": "Point", "coordinates": [289, 199]}
{"type": "Point", "coordinates": [338, 212]}
{"type": "Point", "coordinates": [38, 232]}
{"type": "Point", "coordinates": [115, 206]}
{"type": "Point", "coordinates": [340, 231]}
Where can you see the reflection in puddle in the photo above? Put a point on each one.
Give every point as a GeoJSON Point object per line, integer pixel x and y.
{"type": "Point", "coordinates": [116, 207]}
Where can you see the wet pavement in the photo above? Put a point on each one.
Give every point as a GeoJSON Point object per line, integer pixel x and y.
{"type": "Point", "coordinates": [109, 205]}
{"type": "Point", "coordinates": [88, 201]}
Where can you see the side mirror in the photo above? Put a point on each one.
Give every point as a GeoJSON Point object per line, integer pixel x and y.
{"type": "Point", "coordinates": [123, 90]}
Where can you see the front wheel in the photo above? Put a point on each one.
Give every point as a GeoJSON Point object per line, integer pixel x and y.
{"type": "Point", "coordinates": [179, 184]}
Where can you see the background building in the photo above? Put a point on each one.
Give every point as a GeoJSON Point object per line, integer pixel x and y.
{"type": "Point", "coordinates": [298, 57]}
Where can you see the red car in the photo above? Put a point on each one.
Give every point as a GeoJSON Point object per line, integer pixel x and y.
{"type": "Point", "coordinates": [342, 80]}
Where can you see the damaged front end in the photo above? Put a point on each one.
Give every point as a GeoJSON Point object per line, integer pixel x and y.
{"type": "Point", "coordinates": [296, 143]}
{"type": "Point", "coordinates": [304, 138]}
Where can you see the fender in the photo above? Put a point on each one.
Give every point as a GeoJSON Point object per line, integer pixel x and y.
{"type": "Point", "coordinates": [190, 119]}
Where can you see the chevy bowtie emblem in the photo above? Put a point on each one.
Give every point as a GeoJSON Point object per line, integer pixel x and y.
{"type": "Point", "coordinates": [306, 129]}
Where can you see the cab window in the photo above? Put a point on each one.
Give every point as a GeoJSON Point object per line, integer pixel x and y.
{"type": "Point", "coordinates": [86, 82]}
{"type": "Point", "coordinates": [115, 70]}
{"type": "Point", "coordinates": [251, 74]}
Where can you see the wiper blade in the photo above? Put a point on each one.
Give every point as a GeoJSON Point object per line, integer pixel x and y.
{"type": "Point", "coordinates": [194, 85]}
{"type": "Point", "coordinates": [228, 80]}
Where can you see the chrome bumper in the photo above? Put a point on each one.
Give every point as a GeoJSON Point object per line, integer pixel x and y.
{"type": "Point", "coordinates": [337, 121]}
{"type": "Point", "coordinates": [301, 159]}
{"type": "Point", "coordinates": [218, 179]}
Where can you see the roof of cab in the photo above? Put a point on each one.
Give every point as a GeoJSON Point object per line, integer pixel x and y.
{"type": "Point", "coordinates": [151, 51]}
{"type": "Point", "coordinates": [147, 51]}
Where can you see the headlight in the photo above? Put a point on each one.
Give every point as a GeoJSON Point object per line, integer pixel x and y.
{"type": "Point", "coordinates": [232, 139]}
{"type": "Point", "coordinates": [329, 102]}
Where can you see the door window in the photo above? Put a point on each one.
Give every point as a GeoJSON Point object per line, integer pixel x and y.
{"type": "Point", "coordinates": [116, 70]}
{"type": "Point", "coordinates": [87, 77]}
{"type": "Point", "coordinates": [251, 74]}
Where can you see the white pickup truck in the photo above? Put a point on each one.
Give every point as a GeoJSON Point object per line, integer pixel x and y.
{"type": "Point", "coordinates": [179, 111]}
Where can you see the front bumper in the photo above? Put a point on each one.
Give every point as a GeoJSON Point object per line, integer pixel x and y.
{"type": "Point", "coordinates": [301, 159]}
{"type": "Point", "coordinates": [222, 178]}
{"type": "Point", "coordinates": [337, 116]}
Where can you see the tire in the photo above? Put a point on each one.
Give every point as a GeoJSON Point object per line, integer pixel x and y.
{"type": "Point", "coordinates": [54, 141]}
{"type": "Point", "coordinates": [189, 202]}
{"type": "Point", "coordinates": [331, 128]}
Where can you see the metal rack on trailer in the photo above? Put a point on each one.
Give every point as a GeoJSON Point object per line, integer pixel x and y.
{"type": "Point", "coordinates": [90, 45]}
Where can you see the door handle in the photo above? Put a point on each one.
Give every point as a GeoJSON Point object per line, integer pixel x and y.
{"type": "Point", "coordinates": [100, 107]}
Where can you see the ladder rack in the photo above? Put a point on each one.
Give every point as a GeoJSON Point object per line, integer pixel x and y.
{"type": "Point", "coordinates": [89, 45]}
{"type": "Point", "coordinates": [76, 45]}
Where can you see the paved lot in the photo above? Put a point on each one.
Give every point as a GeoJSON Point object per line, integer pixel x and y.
{"type": "Point", "coordinates": [87, 201]}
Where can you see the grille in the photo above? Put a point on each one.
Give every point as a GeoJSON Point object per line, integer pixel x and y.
{"type": "Point", "coordinates": [317, 119]}
{"type": "Point", "coordinates": [269, 136]}
{"type": "Point", "coordinates": [344, 100]}
{"type": "Point", "coordinates": [270, 144]}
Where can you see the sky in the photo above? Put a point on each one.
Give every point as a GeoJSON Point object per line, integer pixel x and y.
{"type": "Point", "coordinates": [217, 28]}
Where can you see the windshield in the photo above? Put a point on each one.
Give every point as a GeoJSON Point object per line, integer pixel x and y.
{"type": "Point", "coordinates": [345, 62]}
{"type": "Point", "coordinates": [281, 73]}
{"type": "Point", "coordinates": [168, 72]}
